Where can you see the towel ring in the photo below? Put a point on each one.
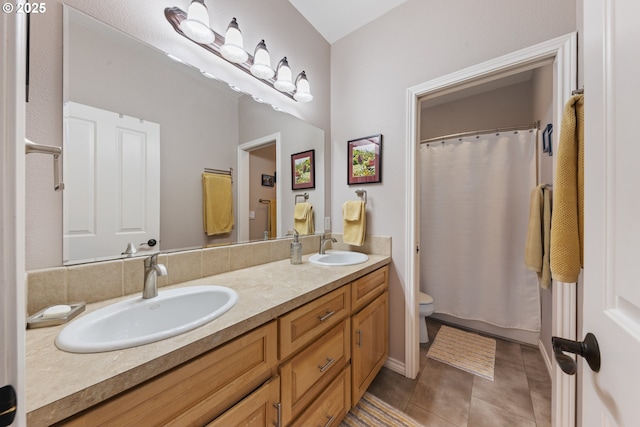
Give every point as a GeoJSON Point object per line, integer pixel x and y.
{"type": "Point", "coordinates": [360, 192]}
{"type": "Point", "coordinates": [305, 197]}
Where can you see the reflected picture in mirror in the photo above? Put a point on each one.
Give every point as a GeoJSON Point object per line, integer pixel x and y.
{"type": "Point", "coordinates": [139, 130]}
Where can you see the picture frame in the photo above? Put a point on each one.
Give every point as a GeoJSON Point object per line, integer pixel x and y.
{"type": "Point", "coordinates": [364, 157]}
{"type": "Point", "coordinates": [268, 180]}
{"type": "Point", "coordinates": [303, 170]}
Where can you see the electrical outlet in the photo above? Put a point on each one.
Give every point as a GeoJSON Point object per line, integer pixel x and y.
{"type": "Point", "coordinates": [252, 214]}
{"type": "Point", "coordinates": [327, 223]}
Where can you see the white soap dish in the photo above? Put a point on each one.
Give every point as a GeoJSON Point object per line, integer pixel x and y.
{"type": "Point", "coordinates": [55, 315]}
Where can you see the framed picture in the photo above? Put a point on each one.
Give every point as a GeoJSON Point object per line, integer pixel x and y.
{"type": "Point", "coordinates": [303, 170]}
{"type": "Point", "coordinates": [365, 160]}
{"type": "Point", "coordinates": [268, 180]}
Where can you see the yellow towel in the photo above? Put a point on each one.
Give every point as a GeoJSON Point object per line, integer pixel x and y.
{"type": "Point", "coordinates": [303, 220]}
{"type": "Point", "coordinates": [355, 222]}
{"type": "Point", "coordinates": [217, 203]}
{"type": "Point", "coordinates": [536, 255]}
{"type": "Point", "coordinates": [567, 238]}
{"type": "Point", "coordinates": [273, 223]}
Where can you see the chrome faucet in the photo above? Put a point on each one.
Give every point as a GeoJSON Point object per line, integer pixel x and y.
{"type": "Point", "coordinates": [151, 272]}
{"type": "Point", "coordinates": [323, 243]}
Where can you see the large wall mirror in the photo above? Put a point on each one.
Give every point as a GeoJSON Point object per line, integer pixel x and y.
{"type": "Point", "coordinates": [141, 129]}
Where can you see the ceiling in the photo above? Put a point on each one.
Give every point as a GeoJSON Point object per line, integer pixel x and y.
{"type": "Point", "coordinates": [335, 19]}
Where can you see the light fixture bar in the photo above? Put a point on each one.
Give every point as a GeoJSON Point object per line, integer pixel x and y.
{"type": "Point", "coordinates": [175, 16]}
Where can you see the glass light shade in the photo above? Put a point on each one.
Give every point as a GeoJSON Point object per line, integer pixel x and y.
{"type": "Point", "coordinates": [303, 90]}
{"type": "Point", "coordinates": [284, 78]}
{"type": "Point", "coordinates": [233, 48]}
{"type": "Point", "coordinates": [196, 26]}
{"type": "Point", "coordinates": [261, 67]}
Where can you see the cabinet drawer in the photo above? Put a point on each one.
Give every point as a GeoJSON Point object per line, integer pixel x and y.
{"type": "Point", "coordinates": [309, 372]}
{"type": "Point", "coordinates": [367, 288]}
{"type": "Point", "coordinates": [200, 389]}
{"type": "Point", "coordinates": [259, 409]}
{"type": "Point", "coordinates": [304, 324]}
{"type": "Point", "coordinates": [331, 406]}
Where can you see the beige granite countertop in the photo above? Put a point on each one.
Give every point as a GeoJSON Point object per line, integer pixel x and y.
{"type": "Point", "coordinates": [60, 384]}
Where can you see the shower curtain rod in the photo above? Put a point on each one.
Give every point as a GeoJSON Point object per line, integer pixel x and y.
{"type": "Point", "coordinates": [480, 132]}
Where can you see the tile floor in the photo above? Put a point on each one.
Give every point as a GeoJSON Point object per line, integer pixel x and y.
{"type": "Point", "coordinates": [444, 396]}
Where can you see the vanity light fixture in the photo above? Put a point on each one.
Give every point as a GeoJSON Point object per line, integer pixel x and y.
{"type": "Point", "coordinates": [233, 48]}
{"type": "Point", "coordinates": [194, 25]}
{"type": "Point", "coordinates": [303, 91]}
{"type": "Point", "coordinates": [261, 67]}
{"type": "Point", "coordinates": [284, 81]}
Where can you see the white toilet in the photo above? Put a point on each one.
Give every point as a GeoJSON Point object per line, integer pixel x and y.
{"type": "Point", "coordinates": [426, 309]}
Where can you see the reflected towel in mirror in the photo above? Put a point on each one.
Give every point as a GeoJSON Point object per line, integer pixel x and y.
{"type": "Point", "coordinates": [217, 203]}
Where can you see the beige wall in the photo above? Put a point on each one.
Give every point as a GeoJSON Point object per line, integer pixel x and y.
{"type": "Point", "coordinates": [507, 106]}
{"type": "Point", "coordinates": [416, 42]}
{"type": "Point", "coordinates": [275, 21]}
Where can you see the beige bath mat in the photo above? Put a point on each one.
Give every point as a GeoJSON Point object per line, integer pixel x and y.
{"type": "Point", "coordinates": [464, 350]}
{"type": "Point", "coordinates": [373, 412]}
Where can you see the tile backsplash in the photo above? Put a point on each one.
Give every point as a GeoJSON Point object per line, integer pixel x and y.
{"type": "Point", "coordinates": [99, 281]}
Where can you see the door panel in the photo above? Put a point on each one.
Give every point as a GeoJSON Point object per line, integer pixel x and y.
{"type": "Point", "coordinates": [612, 208]}
{"type": "Point", "coordinates": [112, 194]}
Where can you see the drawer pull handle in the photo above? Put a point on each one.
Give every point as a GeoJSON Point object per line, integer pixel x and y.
{"type": "Point", "coordinates": [278, 407]}
{"type": "Point", "coordinates": [326, 316]}
{"type": "Point", "coordinates": [331, 418]}
{"type": "Point", "coordinates": [326, 365]}
{"type": "Point", "coordinates": [359, 332]}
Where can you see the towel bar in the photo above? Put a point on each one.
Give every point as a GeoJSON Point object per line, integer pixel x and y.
{"type": "Point", "coordinates": [56, 152]}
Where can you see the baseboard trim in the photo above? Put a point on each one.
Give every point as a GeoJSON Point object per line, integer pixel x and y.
{"type": "Point", "coordinates": [545, 356]}
{"type": "Point", "coordinates": [396, 366]}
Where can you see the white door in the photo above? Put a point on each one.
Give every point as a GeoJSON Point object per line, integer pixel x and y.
{"type": "Point", "coordinates": [12, 236]}
{"type": "Point", "coordinates": [112, 179]}
{"type": "Point", "coordinates": [612, 211]}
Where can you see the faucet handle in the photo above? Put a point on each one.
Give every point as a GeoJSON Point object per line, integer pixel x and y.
{"type": "Point", "coordinates": [152, 260]}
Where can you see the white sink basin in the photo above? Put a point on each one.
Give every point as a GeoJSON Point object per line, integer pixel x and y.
{"type": "Point", "coordinates": [138, 321]}
{"type": "Point", "coordinates": [338, 258]}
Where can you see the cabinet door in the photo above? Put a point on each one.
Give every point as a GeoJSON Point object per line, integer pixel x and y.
{"type": "Point", "coordinates": [370, 344]}
{"type": "Point", "coordinates": [259, 409]}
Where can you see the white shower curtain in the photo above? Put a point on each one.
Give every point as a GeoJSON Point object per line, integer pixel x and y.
{"type": "Point", "coordinates": [474, 206]}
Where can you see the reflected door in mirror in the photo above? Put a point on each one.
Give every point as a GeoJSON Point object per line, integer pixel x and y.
{"type": "Point", "coordinates": [112, 171]}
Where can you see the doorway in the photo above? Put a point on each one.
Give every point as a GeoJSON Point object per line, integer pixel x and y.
{"type": "Point", "coordinates": [562, 51]}
{"type": "Point", "coordinates": [262, 193]}
{"type": "Point", "coordinates": [245, 198]}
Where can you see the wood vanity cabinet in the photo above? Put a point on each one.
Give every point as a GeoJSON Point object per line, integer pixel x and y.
{"type": "Point", "coordinates": [369, 330]}
{"type": "Point", "coordinates": [327, 352]}
{"type": "Point", "coordinates": [310, 396]}
{"type": "Point", "coordinates": [196, 392]}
